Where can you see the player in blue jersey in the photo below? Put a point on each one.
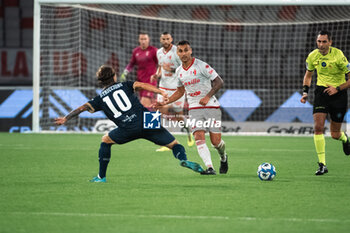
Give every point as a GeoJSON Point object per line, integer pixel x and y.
{"type": "Point", "coordinates": [120, 104]}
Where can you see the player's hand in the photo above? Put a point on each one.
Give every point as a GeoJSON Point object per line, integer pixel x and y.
{"type": "Point", "coordinates": [60, 120]}
{"type": "Point", "coordinates": [303, 98]}
{"type": "Point", "coordinates": [154, 77]}
{"type": "Point", "coordinates": [330, 90]}
{"type": "Point", "coordinates": [165, 96]}
{"type": "Point", "coordinates": [204, 101]}
{"type": "Point", "coordinates": [122, 78]}
{"type": "Point", "coordinates": [158, 105]}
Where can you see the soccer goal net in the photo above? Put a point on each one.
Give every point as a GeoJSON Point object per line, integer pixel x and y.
{"type": "Point", "coordinates": [258, 50]}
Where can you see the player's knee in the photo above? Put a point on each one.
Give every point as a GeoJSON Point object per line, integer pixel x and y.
{"type": "Point", "coordinates": [199, 135]}
{"type": "Point", "coordinates": [107, 139]}
{"type": "Point", "coordinates": [319, 129]}
{"type": "Point", "coordinates": [172, 144]}
{"type": "Point", "coordinates": [216, 141]}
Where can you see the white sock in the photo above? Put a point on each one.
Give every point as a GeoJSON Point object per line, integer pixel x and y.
{"type": "Point", "coordinates": [204, 153]}
{"type": "Point", "coordinates": [221, 149]}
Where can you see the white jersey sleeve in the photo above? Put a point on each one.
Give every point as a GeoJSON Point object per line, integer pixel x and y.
{"type": "Point", "coordinates": [207, 71]}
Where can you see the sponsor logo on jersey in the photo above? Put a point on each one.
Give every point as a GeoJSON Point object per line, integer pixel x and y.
{"type": "Point", "coordinates": [193, 81]}
{"type": "Point", "coordinates": [197, 93]}
{"type": "Point", "coordinates": [323, 64]}
{"type": "Point", "coordinates": [151, 120]}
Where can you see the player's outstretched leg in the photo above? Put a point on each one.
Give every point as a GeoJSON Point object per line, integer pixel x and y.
{"type": "Point", "coordinates": [180, 153]}
{"type": "Point", "coordinates": [104, 156]}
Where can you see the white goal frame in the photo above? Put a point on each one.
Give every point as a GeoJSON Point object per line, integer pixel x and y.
{"type": "Point", "coordinates": [36, 30]}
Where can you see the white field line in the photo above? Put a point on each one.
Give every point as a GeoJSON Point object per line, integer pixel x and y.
{"type": "Point", "coordinates": [271, 149]}
{"type": "Point", "coordinates": [63, 214]}
{"type": "Point", "coordinates": [118, 215]}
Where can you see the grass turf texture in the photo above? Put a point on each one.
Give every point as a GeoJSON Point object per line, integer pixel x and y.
{"type": "Point", "coordinates": [44, 187]}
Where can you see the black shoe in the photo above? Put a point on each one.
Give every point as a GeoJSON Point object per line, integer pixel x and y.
{"type": "Point", "coordinates": [223, 167]}
{"type": "Point", "coordinates": [209, 171]}
{"type": "Point", "coordinates": [346, 146]}
{"type": "Point", "coordinates": [321, 170]}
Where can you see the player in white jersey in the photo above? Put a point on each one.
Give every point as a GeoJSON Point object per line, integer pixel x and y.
{"type": "Point", "coordinates": [200, 81]}
{"type": "Point", "coordinates": [168, 61]}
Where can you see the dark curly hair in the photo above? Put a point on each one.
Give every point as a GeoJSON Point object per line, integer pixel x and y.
{"type": "Point", "coordinates": [105, 75]}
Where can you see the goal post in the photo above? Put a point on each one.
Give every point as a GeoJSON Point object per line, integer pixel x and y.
{"type": "Point", "coordinates": [258, 47]}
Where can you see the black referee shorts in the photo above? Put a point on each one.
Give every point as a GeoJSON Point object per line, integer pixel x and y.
{"type": "Point", "coordinates": [336, 105]}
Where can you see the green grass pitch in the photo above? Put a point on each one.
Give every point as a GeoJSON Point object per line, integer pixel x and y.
{"type": "Point", "coordinates": [44, 187]}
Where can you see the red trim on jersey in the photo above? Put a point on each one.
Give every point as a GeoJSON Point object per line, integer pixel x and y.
{"type": "Point", "coordinates": [168, 89]}
{"type": "Point", "coordinates": [165, 52]}
{"type": "Point", "coordinates": [204, 107]}
{"type": "Point", "coordinates": [189, 66]}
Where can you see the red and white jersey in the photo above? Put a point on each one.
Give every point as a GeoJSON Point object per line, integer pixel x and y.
{"type": "Point", "coordinates": [168, 79]}
{"type": "Point", "coordinates": [197, 82]}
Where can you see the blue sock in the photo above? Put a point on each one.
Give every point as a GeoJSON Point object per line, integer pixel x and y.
{"type": "Point", "coordinates": [104, 155]}
{"type": "Point", "coordinates": [179, 152]}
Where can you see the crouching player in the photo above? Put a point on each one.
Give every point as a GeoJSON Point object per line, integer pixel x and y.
{"type": "Point", "coordinates": [120, 104]}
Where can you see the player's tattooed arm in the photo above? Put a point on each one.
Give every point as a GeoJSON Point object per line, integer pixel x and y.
{"type": "Point", "coordinates": [217, 83]}
{"type": "Point", "coordinates": [74, 113]}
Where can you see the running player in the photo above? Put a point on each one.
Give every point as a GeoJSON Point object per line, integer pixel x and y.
{"type": "Point", "coordinates": [201, 82]}
{"type": "Point", "coordinates": [120, 104]}
{"type": "Point", "coordinates": [168, 61]}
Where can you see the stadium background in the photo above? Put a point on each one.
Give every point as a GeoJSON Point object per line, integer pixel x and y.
{"type": "Point", "coordinates": [259, 51]}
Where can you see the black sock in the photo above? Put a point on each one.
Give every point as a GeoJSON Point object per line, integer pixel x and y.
{"type": "Point", "coordinates": [104, 155]}
{"type": "Point", "coordinates": [179, 152]}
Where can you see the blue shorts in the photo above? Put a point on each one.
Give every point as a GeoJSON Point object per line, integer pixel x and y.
{"type": "Point", "coordinates": [160, 136]}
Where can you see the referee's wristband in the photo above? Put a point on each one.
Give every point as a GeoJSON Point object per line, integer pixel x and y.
{"type": "Point", "coordinates": [338, 88]}
{"type": "Point", "coordinates": [305, 89]}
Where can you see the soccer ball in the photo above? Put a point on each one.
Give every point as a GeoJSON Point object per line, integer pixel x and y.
{"type": "Point", "coordinates": [266, 171]}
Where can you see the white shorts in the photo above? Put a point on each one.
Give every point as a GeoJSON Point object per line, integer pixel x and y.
{"type": "Point", "coordinates": [178, 105]}
{"type": "Point", "coordinates": [205, 119]}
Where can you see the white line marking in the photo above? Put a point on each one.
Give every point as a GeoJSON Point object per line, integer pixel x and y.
{"type": "Point", "coordinates": [117, 215]}
{"type": "Point", "coordinates": [326, 220]}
